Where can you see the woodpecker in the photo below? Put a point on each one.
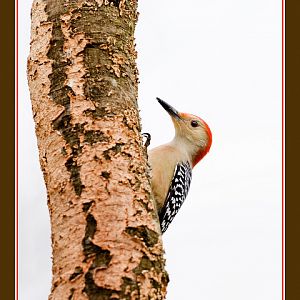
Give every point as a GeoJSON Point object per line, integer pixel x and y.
{"type": "Point", "coordinates": [172, 163]}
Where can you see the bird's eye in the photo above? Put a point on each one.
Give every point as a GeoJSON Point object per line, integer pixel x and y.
{"type": "Point", "coordinates": [194, 123]}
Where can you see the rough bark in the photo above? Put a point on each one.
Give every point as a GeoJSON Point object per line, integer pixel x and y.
{"type": "Point", "coordinates": [82, 76]}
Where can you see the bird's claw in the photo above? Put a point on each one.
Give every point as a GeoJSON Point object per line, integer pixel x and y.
{"type": "Point", "coordinates": [148, 139]}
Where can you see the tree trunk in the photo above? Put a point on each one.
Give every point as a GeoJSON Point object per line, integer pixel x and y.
{"type": "Point", "coordinates": [82, 75]}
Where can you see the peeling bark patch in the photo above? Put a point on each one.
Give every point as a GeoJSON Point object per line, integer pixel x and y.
{"type": "Point", "coordinates": [96, 86]}
{"type": "Point", "coordinates": [77, 272]}
{"type": "Point", "coordinates": [113, 151]}
{"type": "Point", "coordinates": [93, 45]}
{"type": "Point", "coordinates": [148, 236]}
{"type": "Point", "coordinates": [102, 257]}
{"type": "Point", "coordinates": [109, 56]}
{"type": "Point", "coordinates": [129, 288]}
{"type": "Point", "coordinates": [95, 136]}
{"type": "Point", "coordinates": [58, 91]}
{"type": "Point", "coordinates": [165, 278]}
{"type": "Point", "coordinates": [155, 284]}
{"type": "Point", "coordinates": [149, 208]}
{"type": "Point", "coordinates": [60, 95]}
{"type": "Point", "coordinates": [101, 260]}
{"type": "Point", "coordinates": [105, 174]}
{"type": "Point", "coordinates": [93, 291]}
{"type": "Point", "coordinates": [155, 266]}
{"type": "Point", "coordinates": [74, 169]}
{"type": "Point", "coordinates": [91, 225]}
{"type": "Point", "coordinates": [69, 132]}
{"type": "Point", "coordinates": [116, 3]}
{"type": "Point", "coordinates": [86, 206]}
{"type": "Point", "coordinates": [71, 136]}
{"type": "Point", "coordinates": [89, 248]}
{"type": "Point", "coordinates": [63, 151]}
{"type": "Point", "coordinates": [147, 264]}
{"type": "Point", "coordinates": [72, 290]}
{"type": "Point", "coordinates": [97, 113]}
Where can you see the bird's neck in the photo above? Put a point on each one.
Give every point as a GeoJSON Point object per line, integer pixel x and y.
{"type": "Point", "coordinates": [199, 155]}
{"type": "Point", "coordinates": [193, 153]}
{"type": "Point", "coordinates": [201, 152]}
{"type": "Point", "coordinates": [186, 148]}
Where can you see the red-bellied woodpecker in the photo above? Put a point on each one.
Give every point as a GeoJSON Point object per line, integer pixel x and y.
{"type": "Point", "coordinates": [172, 163]}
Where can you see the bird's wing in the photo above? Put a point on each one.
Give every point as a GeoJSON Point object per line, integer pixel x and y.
{"type": "Point", "coordinates": [176, 195]}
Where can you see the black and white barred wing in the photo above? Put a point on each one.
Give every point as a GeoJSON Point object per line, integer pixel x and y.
{"type": "Point", "coordinates": [176, 195]}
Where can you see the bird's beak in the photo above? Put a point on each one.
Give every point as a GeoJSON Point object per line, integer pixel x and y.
{"type": "Point", "coordinates": [171, 110]}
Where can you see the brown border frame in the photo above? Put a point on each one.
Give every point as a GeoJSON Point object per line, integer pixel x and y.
{"type": "Point", "coordinates": [7, 132]}
{"type": "Point", "coordinates": [292, 94]}
{"type": "Point", "coordinates": [291, 213]}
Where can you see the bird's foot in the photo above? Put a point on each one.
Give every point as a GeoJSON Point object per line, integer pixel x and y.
{"type": "Point", "coordinates": [148, 139]}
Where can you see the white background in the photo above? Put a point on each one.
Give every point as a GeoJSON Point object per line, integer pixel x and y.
{"type": "Point", "coordinates": [220, 60]}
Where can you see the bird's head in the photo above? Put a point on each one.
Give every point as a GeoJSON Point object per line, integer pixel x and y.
{"type": "Point", "coordinates": [191, 131]}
